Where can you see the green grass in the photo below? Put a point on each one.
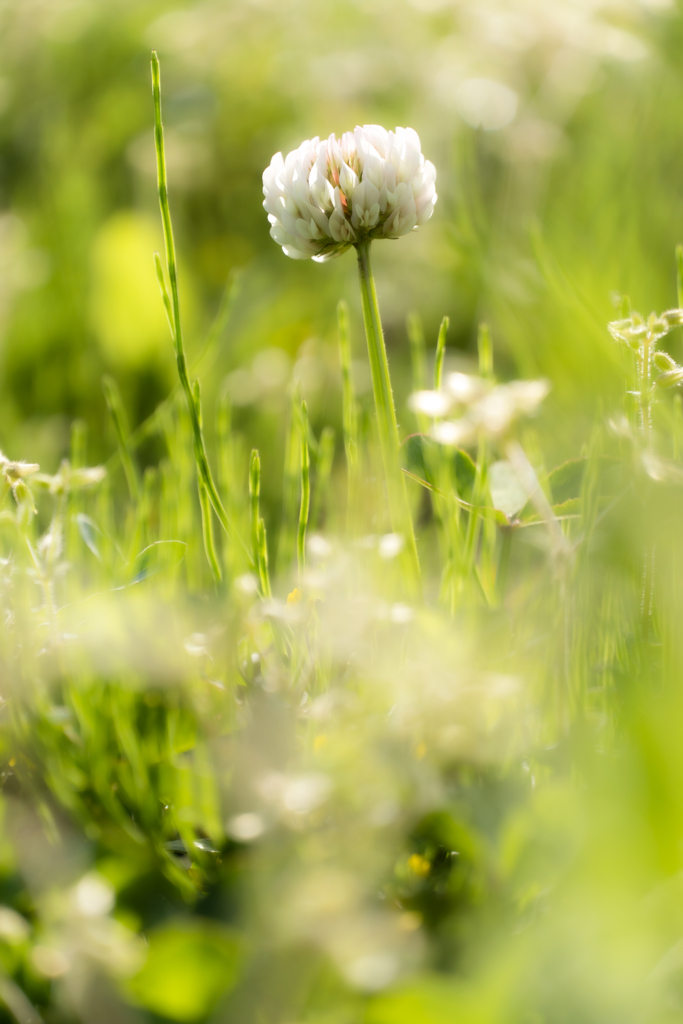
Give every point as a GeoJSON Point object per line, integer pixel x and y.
{"type": "Point", "coordinates": [247, 774]}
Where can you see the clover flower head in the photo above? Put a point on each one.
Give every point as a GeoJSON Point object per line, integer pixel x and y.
{"type": "Point", "coordinates": [329, 194]}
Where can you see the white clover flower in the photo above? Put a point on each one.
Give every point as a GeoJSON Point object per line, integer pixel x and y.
{"type": "Point", "coordinates": [328, 195]}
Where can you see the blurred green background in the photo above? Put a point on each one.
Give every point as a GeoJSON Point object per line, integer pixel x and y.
{"type": "Point", "coordinates": [554, 127]}
{"type": "Point", "coordinates": [544, 889]}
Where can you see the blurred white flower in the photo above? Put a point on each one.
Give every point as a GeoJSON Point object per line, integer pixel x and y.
{"type": "Point", "coordinates": [328, 195]}
{"type": "Point", "coordinates": [465, 387]}
{"type": "Point", "coordinates": [391, 545]}
{"type": "Point", "coordinates": [460, 389]}
{"type": "Point", "coordinates": [13, 927]}
{"type": "Point", "coordinates": [430, 403]}
{"type": "Point", "coordinates": [486, 104]}
{"type": "Point", "coordinates": [494, 413]}
{"type": "Point", "coordinates": [246, 827]}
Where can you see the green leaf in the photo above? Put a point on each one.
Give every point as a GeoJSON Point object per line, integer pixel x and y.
{"type": "Point", "coordinates": [190, 965]}
{"type": "Point", "coordinates": [485, 511]}
{"type": "Point", "coordinates": [566, 480]}
{"type": "Point", "coordinates": [570, 509]}
{"type": "Point", "coordinates": [507, 494]}
{"type": "Point", "coordinates": [89, 531]}
{"type": "Point", "coordinates": [163, 554]}
{"type": "Point", "coordinates": [421, 455]}
{"type": "Point", "coordinates": [465, 472]}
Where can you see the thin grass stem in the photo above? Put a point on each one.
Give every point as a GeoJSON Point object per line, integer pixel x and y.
{"type": "Point", "coordinates": [440, 353]}
{"type": "Point", "coordinates": [112, 397]}
{"type": "Point", "coordinates": [322, 476]}
{"type": "Point", "coordinates": [305, 490]}
{"type": "Point", "coordinates": [205, 506]}
{"type": "Point", "coordinates": [201, 459]}
{"type": "Point", "coordinates": [258, 530]}
{"type": "Point", "coordinates": [290, 485]}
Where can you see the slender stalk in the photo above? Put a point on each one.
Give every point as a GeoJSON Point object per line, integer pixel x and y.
{"type": "Point", "coordinates": [446, 511]}
{"type": "Point", "coordinates": [258, 530]}
{"type": "Point", "coordinates": [154, 421]}
{"type": "Point", "coordinates": [201, 459]}
{"type": "Point", "coordinates": [485, 350]}
{"type": "Point", "coordinates": [440, 354]}
{"type": "Point", "coordinates": [645, 406]}
{"type": "Point", "coordinates": [205, 505]}
{"type": "Point", "coordinates": [263, 559]}
{"type": "Point", "coordinates": [503, 562]}
{"type": "Point", "coordinates": [79, 447]}
{"type": "Point", "coordinates": [112, 397]}
{"type": "Point", "coordinates": [290, 488]}
{"type": "Point", "coordinates": [645, 387]}
{"type": "Point", "coordinates": [322, 476]}
{"type": "Point", "coordinates": [254, 495]}
{"type": "Point", "coordinates": [399, 509]}
{"type": "Point", "coordinates": [417, 351]}
{"type": "Point", "coordinates": [305, 490]}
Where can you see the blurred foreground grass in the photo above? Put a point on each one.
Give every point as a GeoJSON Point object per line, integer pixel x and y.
{"type": "Point", "coordinates": [334, 803]}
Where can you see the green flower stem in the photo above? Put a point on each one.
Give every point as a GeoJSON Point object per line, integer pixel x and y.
{"type": "Point", "coordinates": [172, 303]}
{"type": "Point", "coordinates": [305, 490]}
{"type": "Point", "coordinates": [399, 509]}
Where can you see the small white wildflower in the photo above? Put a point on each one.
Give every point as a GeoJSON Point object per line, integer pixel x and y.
{"type": "Point", "coordinates": [13, 927]}
{"type": "Point", "coordinates": [430, 403]}
{"type": "Point", "coordinates": [51, 963]}
{"type": "Point", "coordinates": [318, 547]}
{"type": "Point", "coordinates": [93, 895]}
{"type": "Point", "coordinates": [372, 972]}
{"type": "Point", "coordinates": [329, 194]}
{"type": "Point", "coordinates": [494, 413]}
{"type": "Point", "coordinates": [453, 432]}
{"type": "Point", "coordinates": [391, 545]}
{"type": "Point", "coordinates": [246, 827]}
{"type": "Point", "coordinates": [465, 388]}
{"type": "Point", "coordinates": [247, 584]}
{"type": "Point", "coordinates": [401, 614]}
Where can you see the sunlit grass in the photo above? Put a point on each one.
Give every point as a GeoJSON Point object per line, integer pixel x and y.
{"type": "Point", "coordinates": [248, 774]}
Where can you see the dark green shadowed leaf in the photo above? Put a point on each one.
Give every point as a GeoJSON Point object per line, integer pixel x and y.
{"type": "Point", "coordinates": [421, 457]}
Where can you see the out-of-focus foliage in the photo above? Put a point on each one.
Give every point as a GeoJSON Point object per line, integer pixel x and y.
{"type": "Point", "coordinates": [335, 803]}
{"type": "Point", "coordinates": [529, 110]}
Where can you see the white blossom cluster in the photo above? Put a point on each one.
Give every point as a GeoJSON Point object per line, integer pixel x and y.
{"type": "Point", "coordinates": [488, 409]}
{"type": "Point", "coordinates": [328, 195]}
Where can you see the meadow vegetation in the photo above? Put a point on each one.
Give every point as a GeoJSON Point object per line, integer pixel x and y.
{"type": "Point", "coordinates": [262, 760]}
